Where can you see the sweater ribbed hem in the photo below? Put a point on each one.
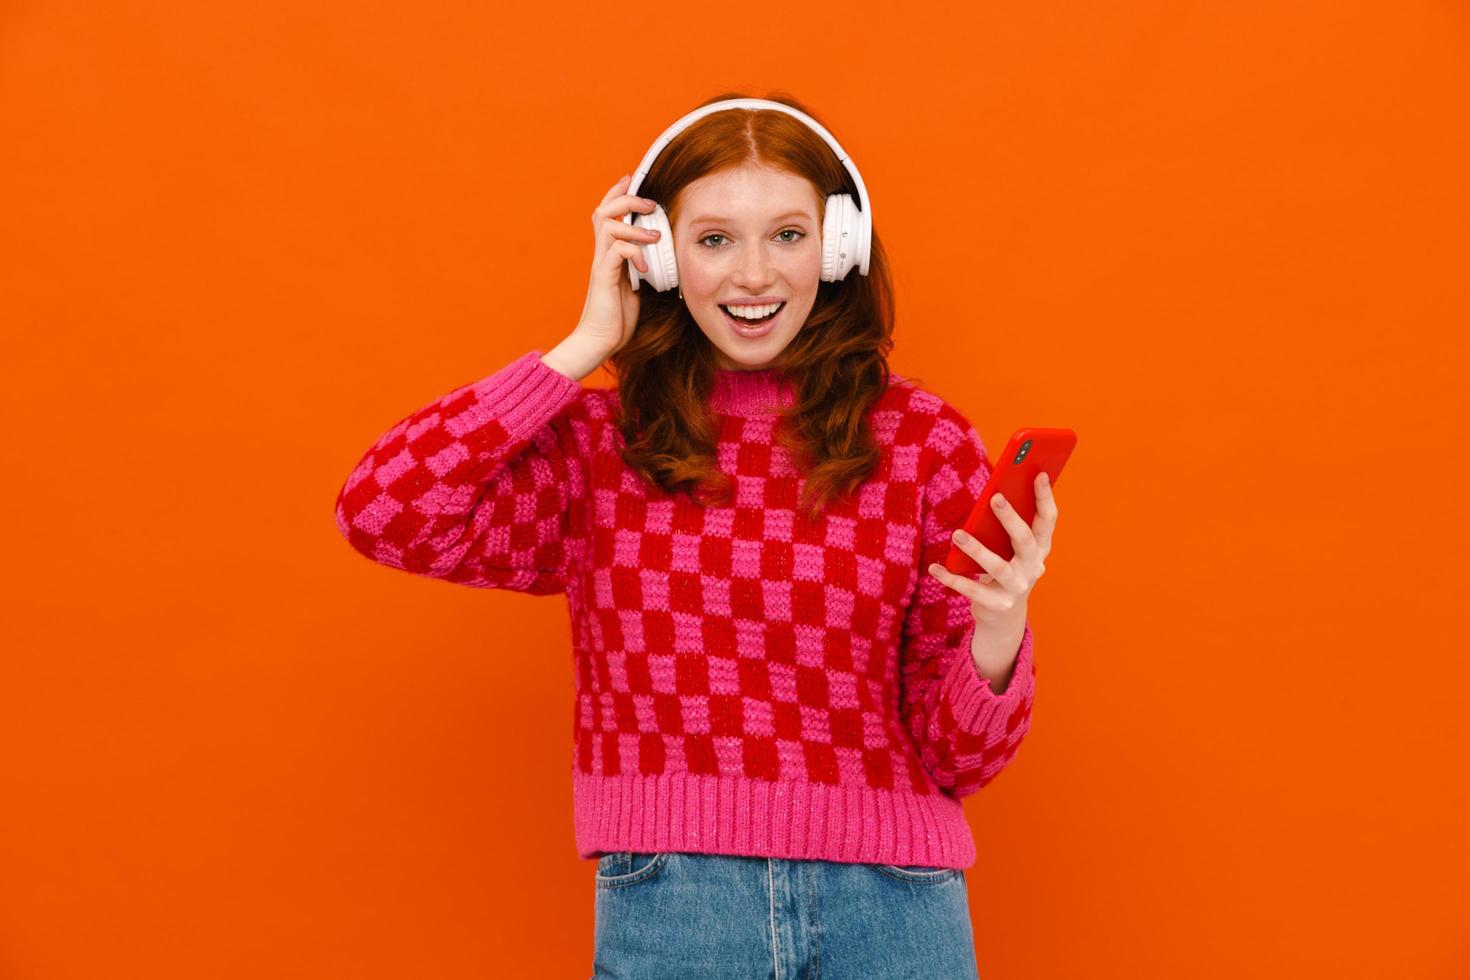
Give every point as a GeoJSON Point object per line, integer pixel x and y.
{"type": "Point", "coordinates": [726, 815]}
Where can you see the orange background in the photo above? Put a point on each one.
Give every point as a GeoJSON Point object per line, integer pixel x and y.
{"type": "Point", "coordinates": [1225, 242]}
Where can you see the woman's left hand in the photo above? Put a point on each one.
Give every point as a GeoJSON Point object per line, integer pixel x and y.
{"type": "Point", "coordinates": [998, 597]}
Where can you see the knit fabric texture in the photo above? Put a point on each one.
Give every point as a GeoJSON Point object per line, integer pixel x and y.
{"type": "Point", "coordinates": [748, 681]}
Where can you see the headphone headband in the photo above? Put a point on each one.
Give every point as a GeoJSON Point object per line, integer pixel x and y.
{"type": "Point", "coordinates": [686, 120]}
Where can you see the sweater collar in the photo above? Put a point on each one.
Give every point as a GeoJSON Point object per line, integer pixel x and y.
{"type": "Point", "coordinates": [748, 393]}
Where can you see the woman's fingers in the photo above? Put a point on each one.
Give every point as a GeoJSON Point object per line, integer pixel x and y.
{"type": "Point", "coordinates": [615, 209]}
{"type": "Point", "coordinates": [615, 204]}
{"type": "Point", "coordinates": [623, 182]}
{"type": "Point", "coordinates": [998, 567]}
{"type": "Point", "coordinates": [621, 249]}
{"type": "Point", "coordinates": [618, 228]}
{"type": "Point", "coordinates": [618, 240]}
{"type": "Point", "coordinates": [1046, 514]}
{"type": "Point", "coordinates": [1022, 539]}
{"type": "Point", "coordinates": [982, 595]}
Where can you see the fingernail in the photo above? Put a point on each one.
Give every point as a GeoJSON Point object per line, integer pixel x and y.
{"type": "Point", "coordinates": [998, 501]}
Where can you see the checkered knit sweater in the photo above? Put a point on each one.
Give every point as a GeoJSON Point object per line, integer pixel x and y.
{"type": "Point", "coordinates": [747, 681]}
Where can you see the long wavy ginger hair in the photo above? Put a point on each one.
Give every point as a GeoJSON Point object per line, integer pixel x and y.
{"type": "Point", "coordinates": [837, 362]}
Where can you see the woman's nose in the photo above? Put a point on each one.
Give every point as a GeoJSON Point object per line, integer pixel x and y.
{"type": "Point", "coordinates": [755, 264]}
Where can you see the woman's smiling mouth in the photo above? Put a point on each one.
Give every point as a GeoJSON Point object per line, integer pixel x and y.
{"type": "Point", "coordinates": [753, 329]}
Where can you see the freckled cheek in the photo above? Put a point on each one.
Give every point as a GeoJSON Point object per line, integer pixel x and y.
{"type": "Point", "coordinates": [695, 276]}
{"type": "Point", "coordinates": [699, 287]}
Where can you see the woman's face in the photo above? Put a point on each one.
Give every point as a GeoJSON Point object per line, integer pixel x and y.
{"type": "Point", "coordinates": [743, 235]}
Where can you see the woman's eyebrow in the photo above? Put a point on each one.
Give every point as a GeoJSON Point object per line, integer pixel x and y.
{"type": "Point", "coordinates": [708, 219]}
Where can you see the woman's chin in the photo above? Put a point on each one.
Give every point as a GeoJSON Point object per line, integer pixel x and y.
{"type": "Point", "coordinates": [746, 361]}
{"type": "Point", "coordinates": [741, 353]}
{"type": "Point", "coordinates": [752, 355]}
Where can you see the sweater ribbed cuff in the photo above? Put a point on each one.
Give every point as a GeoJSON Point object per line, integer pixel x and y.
{"type": "Point", "coordinates": [974, 703]}
{"type": "Point", "coordinates": [522, 396]}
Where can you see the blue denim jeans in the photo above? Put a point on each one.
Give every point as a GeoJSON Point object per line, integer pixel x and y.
{"type": "Point", "coordinates": [716, 916]}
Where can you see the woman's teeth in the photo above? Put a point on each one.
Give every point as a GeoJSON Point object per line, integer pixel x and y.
{"type": "Point", "coordinates": [753, 314]}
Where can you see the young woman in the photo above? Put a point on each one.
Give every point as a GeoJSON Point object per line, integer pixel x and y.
{"type": "Point", "coordinates": [781, 695]}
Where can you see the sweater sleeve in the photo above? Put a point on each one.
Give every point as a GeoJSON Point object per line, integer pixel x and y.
{"type": "Point", "coordinates": [477, 487]}
{"type": "Point", "coordinates": [966, 733]}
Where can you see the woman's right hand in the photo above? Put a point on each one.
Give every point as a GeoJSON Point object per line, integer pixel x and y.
{"type": "Point", "coordinates": [611, 310]}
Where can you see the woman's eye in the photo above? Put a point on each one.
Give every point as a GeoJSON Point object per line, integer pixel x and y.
{"type": "Point", "coordinates": [791, 231]}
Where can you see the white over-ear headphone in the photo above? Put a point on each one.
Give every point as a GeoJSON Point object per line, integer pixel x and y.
{"type": "Point", "coordinates": [847, 230]}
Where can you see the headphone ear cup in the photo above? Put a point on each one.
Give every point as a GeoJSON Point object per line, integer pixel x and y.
{"type": "Point", "coordinates": [658, 255]}
{"type": "Point", "coordinates": [841, 237]}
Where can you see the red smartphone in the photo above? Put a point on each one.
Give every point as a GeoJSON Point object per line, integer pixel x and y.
{"type": "Point", "coordinates": [1013, 475]}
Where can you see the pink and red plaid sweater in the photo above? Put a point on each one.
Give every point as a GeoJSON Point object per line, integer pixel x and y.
{"type": "Point", "coordinates": [747, 681]}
